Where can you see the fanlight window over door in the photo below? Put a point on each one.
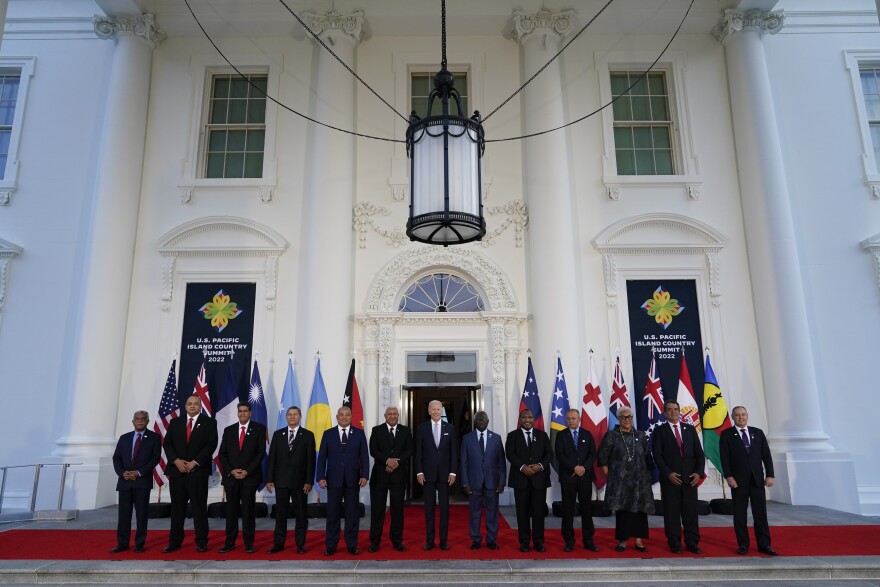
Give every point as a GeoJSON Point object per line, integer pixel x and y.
{"type": "Point", "coordinates": [441, 292]}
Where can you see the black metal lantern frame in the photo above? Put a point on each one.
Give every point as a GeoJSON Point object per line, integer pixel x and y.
{"type": "Point", "coordinates": [445, 153]}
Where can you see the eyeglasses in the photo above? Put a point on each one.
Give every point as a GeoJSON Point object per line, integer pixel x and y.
{"type": "Point", "coordinates": [625, 418]}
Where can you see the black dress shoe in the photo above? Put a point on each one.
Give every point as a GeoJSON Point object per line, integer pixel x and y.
{"type": "Point", "coordinates": [329, 551]}
{"type": "Point", "coordinates": [300, 550]}
{"type": "Point", "coordinates": [202, 548]}
{"type": "Point", "coordinates": [116, 549]}
{"type": "Point", "coordinates": [641, 548]}
{"type": "Point", "coordinates": [742, 550]}
{"type": "Point", "coordinates": [428, 546]}
{"type": "Point", "coordinates": [620, 547]}
{"type": "Point", "coordinates": [568, 548]}
{"type": "Point", "coordinates": [475, 545]}
{"type": "Point", "coordinates": [523, 548]}
{"type": "Point", "coordinates": [138, 548]}
{"type": "Point", "coordinates": [275, 549]}
{"type": "Point", "coordinates": [768, 551]}
{"type": "Point", "coordinates": [250, 549]}
{"type": "Point", "coordinates": [444, 546]}
{"type": "Point", "coordinates": [675, 549]}
{"type": "Point", "coordinates": [354, 551]}
{"type": "Point", "coordinates": [591, 547]}
{"type": "Point", "coordinates": [226, 548]}
{"type": "Point", "coordinates": [170, 548]}
{"type": "Point", "coordinates": [373, 548]}
{"type": "Point", "coordinates": [399, 546]}
{"type": "Point", "coordinates": [492, 546]}
{"type": "Point", "coordinates": [540, 548]}
{"type": "Point", "coordinates": [694, 549]}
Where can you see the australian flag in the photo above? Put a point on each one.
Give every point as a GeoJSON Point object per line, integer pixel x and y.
{"type": "Point", "coordinates": [652, 408]}
{"type": "Point", "coordinates": [530, 399]}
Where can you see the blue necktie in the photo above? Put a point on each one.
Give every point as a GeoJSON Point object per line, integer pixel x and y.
{"type": "Point", "coordinates": [574, 437]}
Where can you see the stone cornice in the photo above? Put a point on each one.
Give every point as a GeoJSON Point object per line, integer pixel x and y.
{"type": "Point", "coordinates": [143, 26]}
{"type": "Point", "coordinates": [733, 22]}
{"type": "Point", "coordinates": [351, 25]}
{"type": "Point", "coordinates": [559, 23]}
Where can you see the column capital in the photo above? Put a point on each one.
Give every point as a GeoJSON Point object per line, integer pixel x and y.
{"type": "Point", "coordinates": [350, 25]}
{"type": "Point", "coordinates": [141, 25]}
{"type": "Point", "coordinates": [733, 22]}
{"type": "Point", "coordinates": [526, 24]}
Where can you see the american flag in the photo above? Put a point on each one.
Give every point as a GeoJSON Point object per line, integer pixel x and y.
{"type": "Point", "coordinates": [201, 390]}
{"type": "Point", "coordinates": [167, 412]}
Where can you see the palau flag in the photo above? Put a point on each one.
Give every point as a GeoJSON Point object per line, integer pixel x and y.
{"type": "Point", "coordinates": [716, 419]}
{"type": "Point", "coordinates": [318, 418]}
{"type": "Point", "coordinates": [559, 407]}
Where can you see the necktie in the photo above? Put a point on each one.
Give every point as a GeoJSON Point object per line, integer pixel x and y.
{"type": "Point", "coordinates": [241, 437]}
{"type": "Point", "coordinates": [189, 429]}
{"type": "Point", "coordinates": [291, 434]}
{"type": "Point", "coordinates": [678, 439]}
{"type": "Point", "coordinates": [344, 437]}
{"type": "Point", "coordinates": [574, 437]}
{"type": "Point", "coordinates": [746, 441]}
{"type": "Point", "coordinates": [392, 434]}
{"type": "Point", "coordinates": [529, 438]}
{"type": "Point", "coordinates": [437, 435]}
{"type": "Point", "coordinates": [482, 442]}
{"type": "Point", "coordinates": [137, 447]}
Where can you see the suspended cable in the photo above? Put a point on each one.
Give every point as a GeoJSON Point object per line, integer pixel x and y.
{"type": "Point", "coordinates": [341, 62]}
{"type": "Point", "coordinates": [275, 101]}
{"type": "Point", "coordinates": [613, 100]}
{"type": "Point", "coordinates": [552, 59]}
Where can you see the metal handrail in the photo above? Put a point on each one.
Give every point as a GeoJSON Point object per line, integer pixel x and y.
{"type": "Point", "coordinates": [37, 468]}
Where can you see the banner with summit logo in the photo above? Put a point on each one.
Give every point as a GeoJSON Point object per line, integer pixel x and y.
{"type": "Point", "coordinates": [664, 316]}
{"type": "Point", "coordinates": [218, 320]}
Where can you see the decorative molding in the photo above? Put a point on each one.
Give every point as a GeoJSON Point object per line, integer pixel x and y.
{"type": "Point", "coordinates": [614, 184]}
{"type": "Point", "coordinates": [517, 216]}
{"type": "Point", "coordinates": [734, 21]}
{"type": "Point", "coordinates": [351, 25]}
{"type": "Point", "coordinates": [693, 190]}
{"type": "Point", "coordinates": [613, 190]}
{"type": "Point", "coordinates": [872, 245]}
{"type": "Point", "coordinates": [269, 244]}
{"type": "Point", "coordinates": [678, 235]}
{"type": "Point", "coordinates": [143, 26]}
{"type": "Point", "coordinates": [266, 193]}
{"type": "Point", "coordinates": [6, 196]}
{"type": "Point", "coordinates": [875, 189]}
{"type": "Point", "coordinates": [388, 284]}
{"type": "Point", "coordinates": [362, 222]}
{"type": "Point", "coordinates": [559, 23]}
{"type": "Point", "coordinates": [186, 195]}
{"type": "Point", "coordinates": [8, 251]}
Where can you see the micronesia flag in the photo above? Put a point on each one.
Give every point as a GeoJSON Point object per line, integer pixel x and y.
{"type": "Point", "coordinates": [559, 407]}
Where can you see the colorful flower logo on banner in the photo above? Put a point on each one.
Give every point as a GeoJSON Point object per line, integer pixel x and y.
{"type": "Point", "coordinates": [220, 311]}
{"type": "Point", "coordinates": [662, 307]}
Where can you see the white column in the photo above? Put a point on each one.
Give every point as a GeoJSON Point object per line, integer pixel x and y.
{"type": "Point", "coordinates": [553, 267]}
{"type": "Point", "coordinates": [98, 353]}
{"type": "Point", "coordinates": [327, 268]}
{"type": "Point", "coordinates": [4, 5]}
{"type": "Point", "coordinates": [808, 469]}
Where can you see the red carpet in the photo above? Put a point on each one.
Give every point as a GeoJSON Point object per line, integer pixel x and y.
{"type": "Point", "coordinates": [716, 542]}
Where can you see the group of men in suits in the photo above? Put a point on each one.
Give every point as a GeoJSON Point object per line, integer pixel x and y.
{"type": "Point", "coordinates": [342, 468]}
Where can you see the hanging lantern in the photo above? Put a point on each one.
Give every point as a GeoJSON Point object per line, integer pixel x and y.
{"type": "Point", "coordinates": [446, 206]}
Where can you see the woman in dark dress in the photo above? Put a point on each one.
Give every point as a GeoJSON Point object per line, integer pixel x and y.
{"type": "Point", "coordinates": [626, 460]}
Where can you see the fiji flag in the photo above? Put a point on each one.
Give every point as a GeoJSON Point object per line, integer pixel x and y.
{"type": "Point", "coordinates": [289, 396]}
{"type": "Point", "coordinates": [557, 412]}
{"type": "Point", "coordinates": [652, 408]}
{"type": "Point", "coordinates": [530, 399]}
{"type": "Point", "coordinates": [257, 401]}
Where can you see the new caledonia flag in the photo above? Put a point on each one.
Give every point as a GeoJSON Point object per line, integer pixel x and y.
{"type": "Point", "coordinates": [716, 418]}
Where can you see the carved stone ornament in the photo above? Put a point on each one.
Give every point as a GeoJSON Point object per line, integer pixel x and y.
{"type": "Point", "coordinates": [8, 251]}
{"type": "Point", "coordinates": [559, 22]}
{"type": "Point", "coordinates": [6, 197]}
{"type": "Point", "coordinates": [143, 26]}
{"type": "Point", "coordinates": [733, 22]}
{"type": "Point", "coordinates": [362, 223]}
{"type": "Point", "coordinates": [517, 216]}
{"type": "Point", "coordinates": [875, 190]}
{"type": "Point", "coordinates": [351, 25]}
{"type": "Point", "coordinates": [872, 245]}
{"type": "Point", "coordinates": [174, 245]}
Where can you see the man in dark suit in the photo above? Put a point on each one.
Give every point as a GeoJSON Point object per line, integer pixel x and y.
{"type": "Point", "coordinates": [483, 468]}
{"type": "Point", "coordinates": [189, 449]}
{"type": "Point", "coordinates": [436, 466]}
{"type": "Point", "coordinates": [745, 460]}
{"type": "Point", "coordinates": [291, 471]}
{"type": "Point", "coordinates": [679, 455]}
{"type": "Point", "coordinates": [391, 446]}
{"type": "Point", "coordinates": [529, 453]}
{"type": "Point", "coordinates": [576, 453]}
{"type": "Point", "coordinates": [242, 450]}
{"type": "Point", "coordinates": [343, 469]}
{"type": "Point", "coordinates": [137, 454]}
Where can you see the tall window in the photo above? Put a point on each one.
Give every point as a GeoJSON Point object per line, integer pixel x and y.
{"type": "Point", "coordinates": [870, 76]}
{"type": "Point", "coordinates": [236, 126]}
{"type": "Point", "coordinates": [9, 83]}
{"type": "Point", "coordinates": [421, 84]}
{"type": "Point", "coordinates": [642, 124]}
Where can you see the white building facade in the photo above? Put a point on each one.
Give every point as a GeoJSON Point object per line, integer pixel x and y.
{"type": "Point", "coordinates": [762, 187]}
